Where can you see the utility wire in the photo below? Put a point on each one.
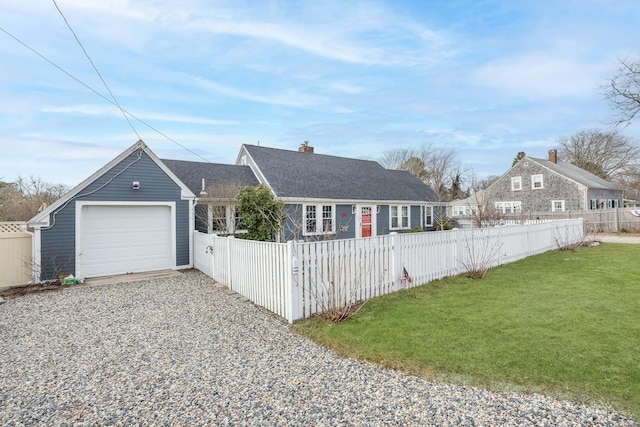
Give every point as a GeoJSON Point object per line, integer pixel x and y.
{"type": "Point", "coordinates": [96, 69]}
{"type": "Point", "coordinates": [101, 95]}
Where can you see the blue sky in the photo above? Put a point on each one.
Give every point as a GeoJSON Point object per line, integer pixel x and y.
{"type": "Point", "coordinates": [357, 78]}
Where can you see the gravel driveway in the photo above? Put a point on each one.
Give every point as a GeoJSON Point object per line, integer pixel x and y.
{"type": "Point", "coordinates": [180, 351]}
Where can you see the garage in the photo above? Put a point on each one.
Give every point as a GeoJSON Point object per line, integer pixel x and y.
{"type": "Point", "coordinates": [120, 239]}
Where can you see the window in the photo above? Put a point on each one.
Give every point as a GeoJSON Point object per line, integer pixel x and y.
{"type": "Point", "coordinates": [509, 207]}
{"type": "Point", "coordinates": [536, 182]}
{"type": "Point", "coordinates": [218, 219]}
{"type": "Point", "coordinates": [327, 218]}
{"type": "Point", "coordinates": [399, 217]}
{"type": "Point", "coordinates": [557, 206]}
{"type": "Point", "coordinates": [310, 219]}
{"type": "Point", "coordinates": [516, 183]}
{"type": "Point", "coordinates": [428, 215]}
{"type": "Point", "coordinates": [593, 204]}
{"type": "Point", "coordinates": [237, 219]}
{"type": "Point", "coordinates": [319, 225]}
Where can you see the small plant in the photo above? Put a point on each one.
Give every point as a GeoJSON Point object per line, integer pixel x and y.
{"type": "Point", "coordinates": [336, 285]}
{"type": "Point", "coordinates": [479, 252]}
{"type": "Point", "coordinates": [568, 239]}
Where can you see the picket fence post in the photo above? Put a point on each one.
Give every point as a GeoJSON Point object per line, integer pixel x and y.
{"type": "Point", "coordinates": [396, 261]}
{"type": "Point", "coordinates": [292, 287]}
{"type": "Point", "coordinates": [229, 280]}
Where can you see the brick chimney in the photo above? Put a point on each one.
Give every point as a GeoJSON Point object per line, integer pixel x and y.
{"type": "Point", "coordinates": [305, 147]}
{"type": "Point", "coordinates": [553, 156]}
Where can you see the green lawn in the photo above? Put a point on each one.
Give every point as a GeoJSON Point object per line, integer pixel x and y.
{"type": "Point", "coordinates": [564, 323]}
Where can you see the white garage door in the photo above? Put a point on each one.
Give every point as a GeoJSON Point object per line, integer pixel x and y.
{"type": "Point", "coordinates": [124, 239]}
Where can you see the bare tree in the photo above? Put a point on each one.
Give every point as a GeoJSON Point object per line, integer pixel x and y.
{"type": "Point", "coordinates": [24, 198]}
{"type": "Point", "coordinates": [622, 90]}
{"type": "Point", "coordinates": [436, 167]}
{"type": "Point", "coordinates": [607, 154]}
{"type": "Point", "coordinates": [217, 208]}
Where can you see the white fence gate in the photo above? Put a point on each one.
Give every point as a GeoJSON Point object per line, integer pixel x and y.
{"type": "Point", "coordinates": [294, 280]}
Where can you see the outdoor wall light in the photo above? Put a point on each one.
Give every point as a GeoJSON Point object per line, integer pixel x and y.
{"type": "Point", "coordinates": [135, 185]}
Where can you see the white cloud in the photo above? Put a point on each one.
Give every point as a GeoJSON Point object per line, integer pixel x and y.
{"type": "Point", "coordinates": [290, 98]}
{"type": "Point", "coordinates": [539, 74]}
{"type": "Point", "coordinates": [95, 110]}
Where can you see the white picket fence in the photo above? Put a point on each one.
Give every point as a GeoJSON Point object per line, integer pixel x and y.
{"type": "Point", "coordinates": [295, 280]}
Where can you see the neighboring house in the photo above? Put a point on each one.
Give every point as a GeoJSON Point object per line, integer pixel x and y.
{"type": "Point", "coordinates": [138, 213]}
{"type": "Point", "coordinates": [539, 185]}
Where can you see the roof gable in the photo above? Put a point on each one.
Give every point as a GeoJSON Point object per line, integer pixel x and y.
{"type": "Point", "coordinates": [141, 147]}
{"type": "Point", "coordinates": [293, 174]}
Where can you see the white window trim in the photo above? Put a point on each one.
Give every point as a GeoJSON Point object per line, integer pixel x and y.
{"type": "Point", "coordinates": [553, 206]}
{"type": "Point", "coordinates": [428, 216]}
{"type": "Point", "coordinates": [534, 179]}
{"type": "Point", "coordinates": [515, 207]}
{"type": "Point", "coordinates": [516, 183]}
{"type": "Point", "coordinates": [229, 219]}
{"type": "Point", "coordinates": [319, 220]}
{"type": "Point", "coordinates": [400, 227]}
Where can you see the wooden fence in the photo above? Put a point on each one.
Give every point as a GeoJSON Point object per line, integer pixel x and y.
{"type": "Point", "coordinates": [597, 220]}
{"type": "Point", "coordinates": [296, 280]}
{"type": "Point", "coordinates": [15, 255]}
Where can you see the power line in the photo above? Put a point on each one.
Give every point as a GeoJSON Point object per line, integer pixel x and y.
{"type": "Point", "coordinates": [96, 69]}
{"type": "Point", "coordinates": [101, 95]}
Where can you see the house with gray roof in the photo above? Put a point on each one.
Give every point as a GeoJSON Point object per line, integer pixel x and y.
{"type": "Point", "coordinates": [138, 213]}
{"type": "Point", "coordinates": [330, 196]}
{"type": "Point", "coordinates": [545, 185]}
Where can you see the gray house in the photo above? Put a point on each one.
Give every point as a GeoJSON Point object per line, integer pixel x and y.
{"type": "Point", "coordinates": [544, 185]}
{"type": "Point", "coordinates": [138, 213]}
{"type": "Point", "coordinates": [337, 196]}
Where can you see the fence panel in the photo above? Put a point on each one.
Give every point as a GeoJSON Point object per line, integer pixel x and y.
{"type": "Point", "coordinates": [15, 255]}
{"type": "Point", "coordinates": [298, 280]}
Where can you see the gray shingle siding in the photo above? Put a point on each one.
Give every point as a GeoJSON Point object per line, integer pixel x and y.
{"type": "Point", "coordinates": [555, 186]}
{"type": "Point", "coordinates": [155, 186]}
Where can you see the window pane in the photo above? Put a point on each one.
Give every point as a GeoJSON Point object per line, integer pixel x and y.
{"type": "Point", "coordinates": [327, 218]}
{"type": "Point", "coordinates": [237, 219]}
{"type": "Point", "coordinates": [310, 225]}
{"type": "Point", "coordinates": [405, 216]}
{"type": "Point", "coordinates": [394, 217]}
{"type": "Point", "coordinates": [219, 218]}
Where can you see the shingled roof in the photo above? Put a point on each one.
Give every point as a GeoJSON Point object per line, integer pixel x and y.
{"type": "Point", "coordinates": [577, 174]}
{"type": "Point", "coordinates": [192, 173]}
{"type": "Point", "coordinates": [293, 174]}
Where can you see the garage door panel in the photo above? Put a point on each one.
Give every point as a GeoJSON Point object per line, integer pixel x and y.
{"type": "Point", "coordinates": [125, 239]}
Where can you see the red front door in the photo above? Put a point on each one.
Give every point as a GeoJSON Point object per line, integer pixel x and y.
{"type": "Point", "coordinates": [366, 221]}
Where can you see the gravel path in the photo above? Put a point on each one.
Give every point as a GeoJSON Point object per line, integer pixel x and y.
{"type": "Point", "coordinates": [180, 351]}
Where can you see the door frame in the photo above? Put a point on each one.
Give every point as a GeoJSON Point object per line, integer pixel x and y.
{"type": "Point", "coordinates": [79, 226]}
{"type": "Point", "coordinates": [374, 219]}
